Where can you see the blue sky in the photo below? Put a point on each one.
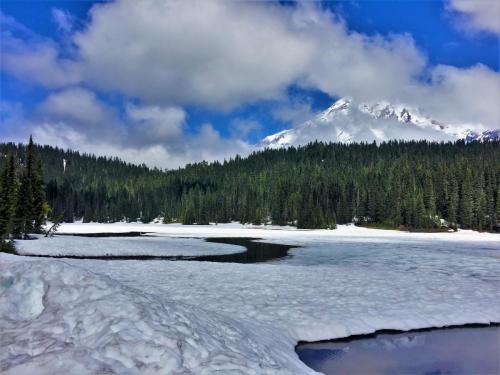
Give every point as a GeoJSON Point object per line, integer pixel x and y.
{"type": "Point", "coordinates": [268, 67]}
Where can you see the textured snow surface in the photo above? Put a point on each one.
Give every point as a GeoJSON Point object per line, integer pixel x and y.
{"type": "Point", "coordinates": [60, 319]}
{"type": "Point", "coordinates": [282, 233]}
{"type": "Point", "coordinates": [123, 246]}
{"type": "Point", "coordinates": [349, 121]}
{"type": "Point", "coordinates": [139, 316]}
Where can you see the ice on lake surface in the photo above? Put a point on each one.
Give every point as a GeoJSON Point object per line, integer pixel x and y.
{"type": "Point", "coordinates": [148, 245]}
{"type": "Point", "coordinates": [457, 351]}
{"type": "Point", "coordinates": [334, 284]}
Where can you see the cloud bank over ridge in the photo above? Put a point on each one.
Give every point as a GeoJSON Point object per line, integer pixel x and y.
{"type": "Point", "coordinates": [171, 55]}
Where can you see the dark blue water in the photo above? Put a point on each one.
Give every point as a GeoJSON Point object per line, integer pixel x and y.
{"type": "Point", "coordinates": [256, 252]}
{"type": "Point", "coordinates": [456, 351]}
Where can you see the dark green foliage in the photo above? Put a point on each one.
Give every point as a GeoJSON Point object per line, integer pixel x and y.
{"type": "Point", "coordinates": [7, 247]}
{"type": "Point", "coordinates": [8, 188]}
{"type": "Point", "coordinates": [409, 184]}
{"type": "Point", "coordinates": [22, 204]}
{"type": "Point", "coordinates": [23, 214]}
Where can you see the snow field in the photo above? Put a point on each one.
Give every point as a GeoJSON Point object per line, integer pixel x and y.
{"type": "Point", "coordinates": [123, 246]}
{"type": "Point", "coordinates": [58, 318]}
{"type": "Point", "coordinates": [131, 317]}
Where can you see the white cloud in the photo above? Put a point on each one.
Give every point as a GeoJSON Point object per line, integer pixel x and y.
{"type": "Point", "coordinates": [207, 144]}
{"type": "Point", "coordinates": [77, 105]}
{"type": "Point", "coordinates": [461, 96]}
{"type": "Point", "coordinates": [215, 53]}
{"type": "Point", "coordinates": [478, 14]}
{"type": "Point", "coordinates": [221, 54]}
{"type": "Point", "coordinates": [63, 19]}
{"type": "Point", "coordinates": [76, 118]}
{"type": "Point", "coordinates": [37, 61]}
{"type": "Point", "coordinates": [154, 123]}
{"type": "Point", "coordinates": [241, 128]}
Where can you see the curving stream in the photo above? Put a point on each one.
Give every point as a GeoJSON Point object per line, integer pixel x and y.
{"type": "Point", "coordinates": [256, 252]}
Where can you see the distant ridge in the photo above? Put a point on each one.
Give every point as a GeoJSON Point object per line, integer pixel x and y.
{"type": "Point", "coordinates": [348, 121]}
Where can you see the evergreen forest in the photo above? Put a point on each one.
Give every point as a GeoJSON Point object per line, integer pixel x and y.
{"type": "Point", "coordinates": [415, 185]}
{"type": "Point", "coordinates": [23, 209]}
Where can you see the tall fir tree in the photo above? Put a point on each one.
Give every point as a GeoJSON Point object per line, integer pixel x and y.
{"type": "Point", "coordinates": [8, 191]}
{"type": "Point", "coordinates": [40, 207]}
{"type": "Point", "coordinates": [23, 215]}
{"type": "Point", "coordinates": [29, 214]}
{"type": "Point", "coordinates": [466, 201]}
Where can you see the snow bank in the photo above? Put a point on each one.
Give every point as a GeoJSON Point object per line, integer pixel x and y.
{"type": "Point", "coordinates": [59, 319]}
{"type": "Point", "coordinates": [123, 246]}
{"type": "Point", "coordinates": [203, 317]}
{"type": "Point", "coordinates": [347, 232]}
{"type": "Point", "coordinates": [325, 302]}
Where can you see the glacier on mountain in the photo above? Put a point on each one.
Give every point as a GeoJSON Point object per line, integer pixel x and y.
{"type": "Point", "coordinates": [348, 121]}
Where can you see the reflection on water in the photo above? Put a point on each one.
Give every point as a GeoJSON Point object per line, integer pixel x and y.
{"type": "Point", "coordinates": [256, 251]}
{"type": "Point", "coordinates": [453, 351]}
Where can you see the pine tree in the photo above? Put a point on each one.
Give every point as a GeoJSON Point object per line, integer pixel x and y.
{"type": "Point", "coordinates": [466, 201]}
{"type": "Point", "coordinates": [303, 185]}
{"type": "Point", "coordinates": [420, 215]}
{"type": "Point", "coordinates": [453, 202]}
{"type": "Point", "coordinates": [30, 211]}
{"type": "Point", "coordinates": [497, 208]}
{"type": "Point", "coordinates": [8, 191]}
{"type": "Point", "coordinates": [189, 215]}
{"type": "Point", "coordinates": [429, 196]}
{"type": "Point", "coordinates": [22, 221]}
{"type": "Point", "coordinates": [40, 207]}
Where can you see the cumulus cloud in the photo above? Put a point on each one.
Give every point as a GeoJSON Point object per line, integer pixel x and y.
{"type": "Point", "coordinates": [154, 123]}
{"type": "Point", "coordinates": [466, 96]}
{"type": "Point", "coordinates": [294, 111]}
{"type": "Point", "coordinates": [37, 61]}
{"type": "Point", "coordinates": [63, 19]}
{"type": "Point", "coordinates": [215, 53]}
{"type": "Point", "coordinates": [222, 54]}
{"type": "Point", "coordinates": [478, 14]}
{"type": "Point", "coordinates": [77, 118]}
{"type": "Point", "coordinates": [241, 128]}
{"type": "Point", "coordinates": [78, 106]}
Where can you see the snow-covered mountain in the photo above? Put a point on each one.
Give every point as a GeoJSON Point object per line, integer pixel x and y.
{"type": "Point", "coordinates": [347, 121]}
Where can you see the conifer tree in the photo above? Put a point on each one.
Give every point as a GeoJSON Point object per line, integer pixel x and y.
{"type": "Point", "coordinates": [23, 215]}
{"type": "Point", "coordinates": [380, 183]}
{"type": "Point", "coordinates": [30, 210]}
{"type": "Point", "coordinates": [8, 190]}
{"type": "Point", "coordinates": [40, 207]}
{"type": "Point", "coordinates": [466, 201]}
{"type": "Point", "coordinates": [452, 202]}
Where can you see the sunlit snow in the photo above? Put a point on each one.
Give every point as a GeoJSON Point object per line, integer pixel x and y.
{"type": "Point", "coordinates": [203, 317]}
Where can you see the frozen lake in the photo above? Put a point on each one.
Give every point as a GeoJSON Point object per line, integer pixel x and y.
{"type": "Point", "coordinates": [456, 351]}
{"type": "Point", "coordinates": [332, 284]}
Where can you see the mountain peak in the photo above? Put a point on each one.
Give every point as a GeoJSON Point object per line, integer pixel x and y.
{"type": "Point", "coordinates": [348, 121]}
{"type": "Point", "coordinates": [341, 106]}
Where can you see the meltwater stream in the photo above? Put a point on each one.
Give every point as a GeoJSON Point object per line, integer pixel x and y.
{"type": "Point", "coordinates": [256, 252]}
{"type": "Point", "coordinates": [450, 351]}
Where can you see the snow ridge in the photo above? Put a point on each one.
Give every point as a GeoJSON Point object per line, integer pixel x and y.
{"type": "Point", "coordinates": [60, 319]}
{"type": "Point", "coordinates": [347, 121]}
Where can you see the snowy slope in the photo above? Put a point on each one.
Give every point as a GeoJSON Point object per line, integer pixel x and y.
{"type": "Point", "coordinates": [348, 121]}
{"type": "Point", "coordinates": [200, 317]}
{"type": "Point", "coordinates": [60, 319]}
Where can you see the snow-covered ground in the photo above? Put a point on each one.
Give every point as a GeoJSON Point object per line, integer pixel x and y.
{"type": "Point", "coordinates": [60, 319]}
{"type": "Point", "coordinates": [349, 232]}
{"type": "Point", "coordinates": [246, 317]}
{"type": "Point", "coordinates": [123, 246]}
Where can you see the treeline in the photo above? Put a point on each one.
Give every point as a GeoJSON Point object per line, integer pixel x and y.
{"type": "Point", "coordinates": [23, 209]}
{"type": "Point", "coordinates": [416, 185]}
